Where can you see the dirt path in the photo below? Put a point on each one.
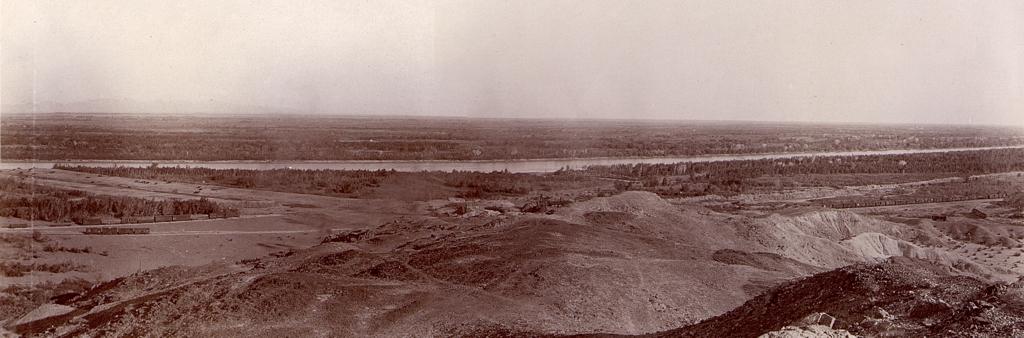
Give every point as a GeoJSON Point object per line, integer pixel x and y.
{"type": "Point", "coordinates": [935, 204]}
{"type": "Point", "coordinates": [49, 229]}
{"type": "Point", "coordinates": [204, 232]}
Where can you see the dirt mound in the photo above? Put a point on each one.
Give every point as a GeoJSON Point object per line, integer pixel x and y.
{"type": "Point", "coordinates": [764, 261]}
{"type": "Point", "coordinates": [592, 278]}
{"type": "Point", "coordinates": [416, 277]}
{"type": "Point", "coordinates": [969, 231]}
{"type": "Point", "coordinates": [608, 217]}
{"type": "Point", "coordinates": [810, 331]}
{"type": "Point", "coordinates": [899, 297]}
{"type": "Point", "coordinates": [638, 203]}
{"type": "Point", "coordinates": [1014, 201]}
{"type": "Point", "coordinates": [628, 264]}
{"type": "Point", "coordinates": [877, 247]}
{"type": "Point", "coordinates": [832, 239]}
{"type": "Point", "coordinates": [398, 232]}
{"type": "Point", "coordinates": [832, 224]}
{"type": "Point", "coordinates": [647, 214]}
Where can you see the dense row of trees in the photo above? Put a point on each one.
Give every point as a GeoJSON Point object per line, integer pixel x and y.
{"type": "Point", "coordinates": [964, 162]}
{"type": "Point", "coordinates": [735, 176]}
{"type": "Point", "coordinates": [28, 201]}
{"type": "Point", "coordinates": [680, 179]}
{"type": "Point", "coordinates": [484, 184]}
{"type": "Point", "coordinates": [320, 138]}
{"type": "Point", "coordinates": [345, 183]}
{"type": "Point", "coordinates": [322, 182]}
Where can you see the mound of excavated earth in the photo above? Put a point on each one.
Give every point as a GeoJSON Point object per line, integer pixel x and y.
{"type": "Point", "coordinates": [901, 297]}
{"type": "Point", "coordinates": [626, 264]}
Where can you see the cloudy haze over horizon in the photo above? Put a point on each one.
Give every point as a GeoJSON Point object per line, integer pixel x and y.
{"type": "Point", "coordinates": [819, 61]}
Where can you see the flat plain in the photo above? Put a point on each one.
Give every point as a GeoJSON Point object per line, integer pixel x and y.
{"type": "Point", "coordinates": [78, 136]}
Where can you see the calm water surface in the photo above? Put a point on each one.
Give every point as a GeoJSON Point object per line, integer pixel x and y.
{"type": "Point", "coordinates": [519, 166]}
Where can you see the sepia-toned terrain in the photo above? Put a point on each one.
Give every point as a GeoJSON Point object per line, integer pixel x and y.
{"type": "Point", "coordinates": [887, 245]}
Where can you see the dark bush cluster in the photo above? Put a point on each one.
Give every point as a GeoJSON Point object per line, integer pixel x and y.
{"type": "Point", "coordinates": [18, 269]}
{"type": "Point", "coordinates": [36, 202]}
{"type": "Point", "coordinates": [481, 185]}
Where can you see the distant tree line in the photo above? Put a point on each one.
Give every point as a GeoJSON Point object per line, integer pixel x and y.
{"type": "Point", "coordinates": [344, 183]}
{"type": "Point", "coordinates": [735, 176]}
{"type": "Point", "coordinates": [317, 181]}
{"type": "Point", "coordinates": [311, 138]}
{"type": "Point", "coordinates": [679, 179]}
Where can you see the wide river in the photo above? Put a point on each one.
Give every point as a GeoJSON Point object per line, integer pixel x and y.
{"type": "Point", "coordinates": [519, 166]}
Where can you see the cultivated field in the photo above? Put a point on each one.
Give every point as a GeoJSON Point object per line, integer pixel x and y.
{"type": "Point", "coordinates": [71, 136]}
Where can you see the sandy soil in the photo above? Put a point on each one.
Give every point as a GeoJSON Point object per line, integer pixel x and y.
{"type": "Point", "coordinates": [271, 222]}
{"type": "Point", "coordinates": [188, 243]}
{"type": "Point", "coordinates": [629, 263]}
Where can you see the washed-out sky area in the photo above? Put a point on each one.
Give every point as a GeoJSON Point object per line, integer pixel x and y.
{"type": "Point", "coordinates": [932, 61]}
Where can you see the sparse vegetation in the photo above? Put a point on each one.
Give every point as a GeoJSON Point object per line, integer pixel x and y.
{"type": "Point", "coordinates": [18, 269]}
{"type": "Point", "coordinates": [36, 241]}
{"type": "Point", "coordinates": [16, 300]}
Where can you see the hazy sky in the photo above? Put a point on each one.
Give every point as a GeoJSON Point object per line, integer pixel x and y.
{"type": "Point", "coordinates": [874, 61]}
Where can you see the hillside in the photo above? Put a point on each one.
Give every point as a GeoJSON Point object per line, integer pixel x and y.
{"type": "Point", "coordinates": [900, 297]}
{"type": "Point", "coordinates": [632, 263]}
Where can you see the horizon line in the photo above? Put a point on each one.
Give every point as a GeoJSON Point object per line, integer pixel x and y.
{"type": "Point", "coordinates": [523, 118]}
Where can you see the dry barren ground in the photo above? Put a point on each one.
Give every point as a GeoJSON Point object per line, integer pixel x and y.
{"type": "Point", "coordinates": [272, 223]}
{"type": "Point", "coordinates": [632, 263]}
